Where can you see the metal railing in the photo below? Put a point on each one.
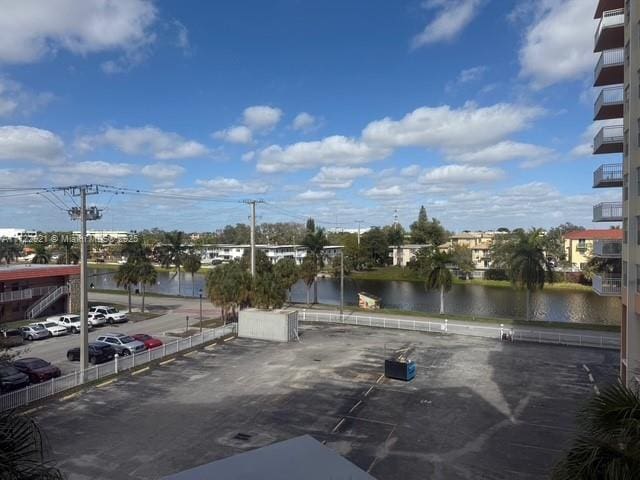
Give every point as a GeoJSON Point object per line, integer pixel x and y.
{"type": "Point", "coordinates": [40, 391]}
{"type": "Point", "coordinates": [607, 212]}
{"type": "Point", "coordinates": [608, 174]}
{"type": "Point", "coordinates": [609, 58]}
{"type": "Point", "coordinates": [607, 248]}
{"type": "Point", "coordinates": [608, 96]}
{"type": "Point", "coordinates": [610, 18]}
{"type": "Point", "coordinates": [25, 293]}
{"type": "Point", "coordinates": [608, 134]}
{"type": "Point", "coordinates": [446, 327]}
{"type": "Point", "coordinates": [42, 304]}
{"type": "Point", "coordinates": [607, 285]}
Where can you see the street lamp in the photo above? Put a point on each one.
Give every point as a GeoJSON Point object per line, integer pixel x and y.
{"type": "Point", "coordinates": [200, 310]}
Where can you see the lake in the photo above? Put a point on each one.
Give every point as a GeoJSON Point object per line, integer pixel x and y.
{"type": "Point", "coordinates": [478, 300]}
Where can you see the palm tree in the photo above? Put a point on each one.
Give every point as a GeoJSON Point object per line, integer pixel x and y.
{"type": "Point", "coordinates": [192, 264]}
{"type": "Point", "coordinates": [315, 240]}
{"type": "Point", "coordinates": [9, 250]}
{"type": "Point", "coordinates": [147, 275]}
{"type": "Point", "coordinates": [287, 272]}
{"type": "Point", "coordinates": [229, 286]}
{"type": "Point", "coordinates": [529, 268]}
{"type": "Point", "coordinates": [308, 273]}
{"type": "Point", "coordinates": [22, 449]}
{"type": "Point", "coordinates": [126, 276]}
{"type": "Point", "coordinates": [173, 253]}
{"type": "Point", "coordinates": [438, 275]}
{"type": "Point", "coordinates": [607, 446]}
{"type": "Point", "coordinates": [40, 254]}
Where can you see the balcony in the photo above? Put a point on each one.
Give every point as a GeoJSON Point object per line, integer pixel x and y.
{"type": "Point", "coordinates": [610, 31]}
{"type": "Point", "coordinates": [610, 68]}
{"type": "Point", "coordinates": [607, 248]}
{"type": "Point", "coordinates": [608, 175]}
{"type": "Point", "coordinates": [607, 212]}
{"type": "Point", "coordinates": [609, 104]}
{"type": "Point", "coordinates": [607, 285]}
{"type": "Point", "coordinates": [604, 5]}
{"type": "Point", "coordinates": [609, 139]}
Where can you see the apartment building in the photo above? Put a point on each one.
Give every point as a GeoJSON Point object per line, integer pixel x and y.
{"type": "Point", "coordinates": [616, 40]}
{"type": "Point", "coordinates": [212, 254]}
{"type": "Point", "coordinates": [581, 245]}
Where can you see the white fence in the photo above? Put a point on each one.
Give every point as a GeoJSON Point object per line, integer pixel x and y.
{"type": "Point", "coordinates": [436, 326]}
{"type": "Point", "coordinates": [39, 391]}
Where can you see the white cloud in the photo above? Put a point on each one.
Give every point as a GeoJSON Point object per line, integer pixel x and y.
{"type": "Point", "coordinates": [16, 100]}
{"type": "Point", "coordinates": [94, 169]}
{"type": "Point", "coordinates": [31, 29]}
{"type": "Point", "coordinates": [10, 177]}
{"type": "Point", "coordinates": [260, 118]}
{"type": "Point", "coordinates": [335, 150]}
{"type": "Point", "coordinates": [339, 177]}
{"type": "Point", "coordinates": [452, 17]}
{"type": "Point", "coordinates": [461, 174]}
{"type": "Point", "coordinates": [146, 140]}
{"type": "Point", "coordinates": [585, 149]}
{"type": "Point", "coordinates": [453, 129]}
{"type": "Point", "coordinates": [182, 40]}
{"type": "Point", "coordinates": [393, 191]}
{"type": "Point", "coordinates": [236, 134]}
{"type": "Point", "coordinates": [501, 152]}
{"type": "Point", "coordinates": [411, 171]}
{"type": "Point", "coordinates": [558, 45]}
{"type": "Point", "coordinates": [315, 195]}
{"type": "Point", "coordinates": [582, 150]}
{"type": "Point", "coordinates": [248, 156]}
{"type": "Point", "coordinates": [226, 186]}
{"type": "Point", "coordinates": [161, 172]}
{"type": "Point", "coordinates": [471, 74]}
{"type": "Point", "coordinates": [305, 122]}
{"type": "Point", "coordinates": [30, 144]}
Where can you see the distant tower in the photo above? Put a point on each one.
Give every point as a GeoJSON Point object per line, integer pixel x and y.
{"type": "Point", "coordinates": [395, 218]}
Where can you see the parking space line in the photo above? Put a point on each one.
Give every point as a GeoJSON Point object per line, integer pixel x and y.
{"type": "Point", "coordinates": [355, 406]}
{"type": "Point", "coordinates": [168, 361]}
{"type": "Point", "coordinates": [140, 371]}
{"type": "Point", "coordinates": [69, 397]}
{"type": "Point", "coordinates": [104, 384]}
{"type": "Point", "coordinates": [228, 339]}
{"type": "Point", "coordinates": [368, 391]}
{"type": "Point", "coordinates": [190, 353]}
{"type": "Point", "coordinates": [380, 378]}
{"type": "Point", "coordinates": [338, 425]}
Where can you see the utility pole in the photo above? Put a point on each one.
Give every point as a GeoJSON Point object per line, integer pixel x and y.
{"type": "Point", "coordinates": [84, 214]}
{"type": "Point", "coordinates": [359, 222]}
{"type": "Point", "coordinates": [253, 234]}
{"type": "Point", "coordinates": [341, 282]}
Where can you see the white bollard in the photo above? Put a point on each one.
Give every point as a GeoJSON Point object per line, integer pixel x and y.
{"type": "Point", "coordinates": [501, 331]}
{"type": "Point", "coordinates": [115, 362]}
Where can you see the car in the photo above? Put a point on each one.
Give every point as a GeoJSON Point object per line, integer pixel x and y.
{"type": "Point", "coordinates": [123, 344]}
{"type": "Point", "coordinates": [98, 353]}
{"type": "Point", "coordinates": [69, 321]}
{"type": "Point", "coordinates": [11, 338]}
{"type": "Point", "coordinates": [111, 314]}
{"type": "Point", "coordinates": [95, 319]}
{"type": "Point", "coordinates": [12, 379]}
{"type": "Point", "coordinates": [52, 328]}
{"type": "Point", "coordinates": [37, 369]}
{"type": "Point", "coordinates": [148, 340]}
{"type": "Point", "coordinates": [34, 332]}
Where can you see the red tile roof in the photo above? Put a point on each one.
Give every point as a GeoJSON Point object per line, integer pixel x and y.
{"type": "Point", "coordinates": [19, 272]}
{"type": "Point", "coordinates": [608, 234]}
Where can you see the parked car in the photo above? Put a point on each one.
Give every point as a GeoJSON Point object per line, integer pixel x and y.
{"type": "Point", "coordinates": [148, 340]}
{"type": "Point", "coordinates": [11, 338]}
{"type": "Point", "coordinates": [12, 379]}
{"type": "Point", "coordinates": [34, 332]}
{"type": "Point", "coordinates": [111, 314]}
{"type": "Point", "coordinates": [37, 369]}
{"type": "Point", "coordinates": [98, 353]}
{"type": "Point", "coordinates": [52, 328]}
{"type": "Point", "coordinates": [123, 344]}
{"type": "Point", "coordinates": [95, 319]}
{"type": "Point", "coordinates": [70, 322]}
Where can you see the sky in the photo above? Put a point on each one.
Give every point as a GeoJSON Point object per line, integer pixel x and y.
{"type": "Point", "coordinates": [480, 110]}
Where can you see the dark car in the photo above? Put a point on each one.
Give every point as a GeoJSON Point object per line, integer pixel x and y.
{"type": "Point", "coordinates": [37, 369]}
{"type": "Point", "coordinates": [12, 379]}
{"type": "Point", "coordinates": [148, 340]}
{"type": "Point", "coordinates": [98, 353]}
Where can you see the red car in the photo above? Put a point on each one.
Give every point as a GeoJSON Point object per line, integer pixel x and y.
{"type": "Point", "coordinates": [148, 340]}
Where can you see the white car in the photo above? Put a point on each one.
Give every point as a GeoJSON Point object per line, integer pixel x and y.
{"type": "Point", "coordinates": [53, 328]}
{"type": "Point", "coordinates": [96, 319]}
{"type": "Point", "coordinates": [111, 314]}
{"type": "Point", "coordinates": [33, 332]}
{"type": "Point", "coordinates": [70, 322]}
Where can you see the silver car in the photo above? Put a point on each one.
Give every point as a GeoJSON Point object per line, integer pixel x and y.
{"type": "Point", "coordinates": [123, 344]}
{"type": "Point", "coordinates": [34, 332]}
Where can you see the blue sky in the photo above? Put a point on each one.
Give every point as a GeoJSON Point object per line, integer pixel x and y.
{"type": "Point", "coordinates": [479, 109]}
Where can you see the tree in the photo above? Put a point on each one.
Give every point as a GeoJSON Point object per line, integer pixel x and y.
{"type": "Point", "coordinates": [462, 257]}
{"type": "Point", "coordinates": [173, 253]}
{"type": "Point", "coordinates": [438, 275]}
{"type": "Point", "coordinates": [229, 286]}
{"type": "Point", "coordinates": [40, 254]}
{"type": "Point", "coordinates": [315, 240]}
{"type": "Point", "coordinates": [336, 266]}
{"type": "Point", "coordinates": [607, 445]}
{"type": "Point", "coordinates": [374, 245]}
{"type": "Point", "coordinates": [147, 275]}
{"type": "Point", "coordinates": [22, 449]}
{"type": "Point", "coordinates": [263, 264]}
{"type": "Point", "coordinates": [529, 268]}
{"type": "Point", "coordinates": [287, 272]}
{"type": "Point", "coordinates": [554, 241]}
{"type": "Point", "coordinates": [309, 272]}
{"type": "Point", "coordinates": [126, 276]}
{"type": "Point", "coordinates": [192, 264]}
{"type": "Point", "coordinates": [427, 232]}
{"type": "Point", "coordinates": [395, 237]}
{"type": "Point", "coordinates": [269, 291]}
{"type": "Point", "coordinates": [9, 250]}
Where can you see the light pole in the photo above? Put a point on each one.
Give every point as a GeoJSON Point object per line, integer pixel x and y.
{"type": "Point", "coordinates": [341, 282]}
{"type": "Point", "coordinates": [200, 310]}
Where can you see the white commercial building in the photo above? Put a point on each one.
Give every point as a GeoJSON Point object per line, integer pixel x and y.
{"type": "Point", "coordinates": [212, 254]}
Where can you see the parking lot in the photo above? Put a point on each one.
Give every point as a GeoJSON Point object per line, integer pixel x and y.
{"type": "Point", "coordinates": [478, 408]}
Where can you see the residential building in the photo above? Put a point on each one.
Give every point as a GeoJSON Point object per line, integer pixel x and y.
{"type": "Point", "coordinates": [32, 291]}
{"type": "Point", "coordinates": [402, 256]}
{"type": "Point", "coordinates": [616, 42]}
{"type": "Point", "coordinates": [581, 245]}
{"type": "Point", "coordinates": [480, 245]}
{"type": "Point", "coordinates": [212, 254]}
